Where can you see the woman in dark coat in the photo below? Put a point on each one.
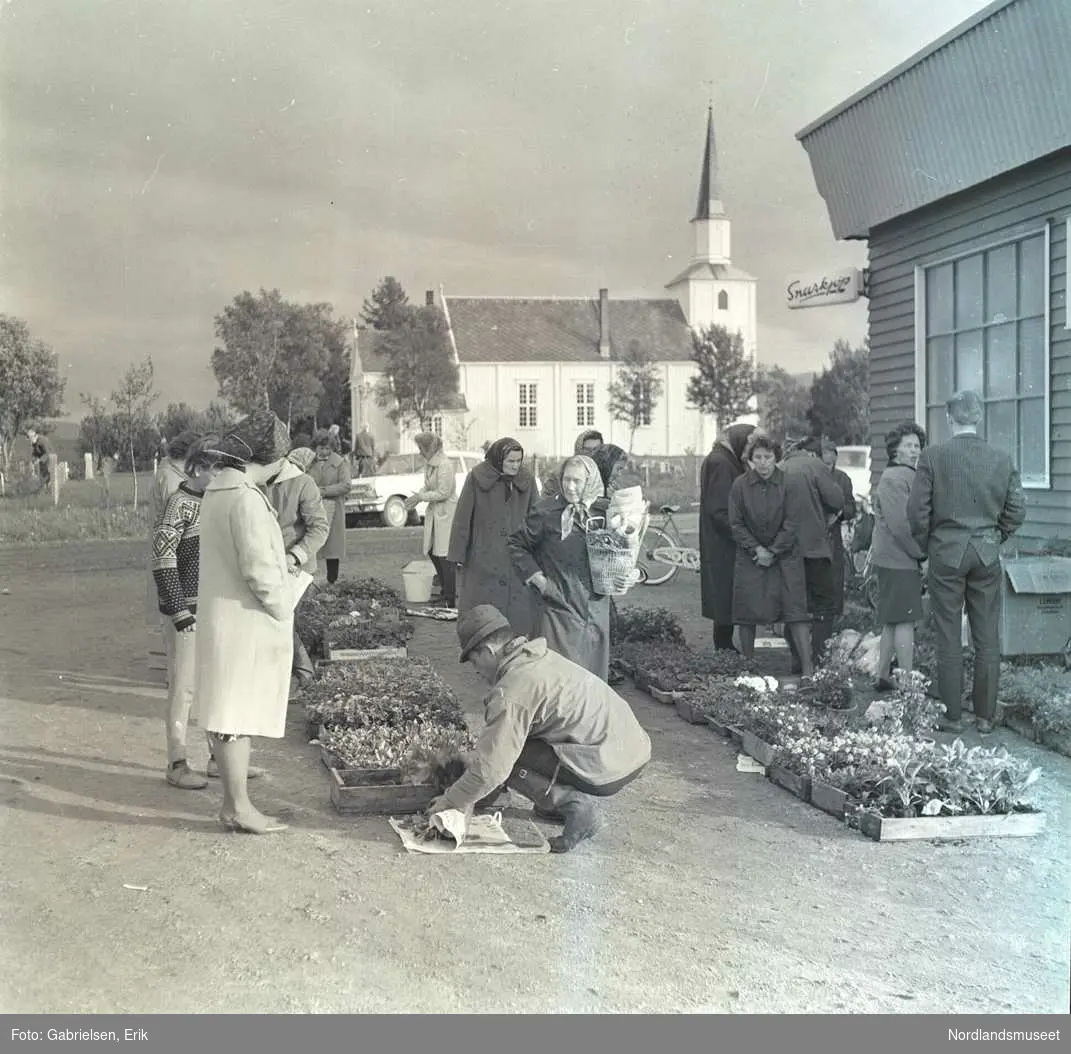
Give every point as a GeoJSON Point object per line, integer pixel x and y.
{"type": "Point", "coordinates": [769, 584]}
{"type": "Point", "coordinates": [495, 501]}
{"type": "Point", "coordinates": [717, 550]}
{"type": "Point", "coordinates": [836, 534]}
{"type": "Point", "coordinates": [550, 553]}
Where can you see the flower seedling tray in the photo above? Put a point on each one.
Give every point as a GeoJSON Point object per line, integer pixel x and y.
{"type": "Point", "coordinates": [798, 785]}
{"type": "Point", "coordinates": [829, 799]}
{"type": "Point", "coordinates": [757, 748]}
{"type": "Point", "coordinates": [312, 730]}
{"type": "Point", "coordinates": [945, 828]}
{"type": "Point", "coordinates": [377, 792]}
{"type": "Point", "coordinates": [736, 735]}
{"type": "Point", "coordinates": [690, 712]}
{"type": "Point", "coordinates": [363, 654]}
{"type": "Point", "coordinates": [719, 728]}
{"type": "Point", "coordinates": [660, 696]}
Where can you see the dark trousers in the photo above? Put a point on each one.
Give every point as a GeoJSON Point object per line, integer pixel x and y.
{"type": "Point", "coordinates": [332, 570]}
{"type": "Point", "coordinates": [538, 756]}
{"type": "Point", "coordinates": [366, 465]}
{"type": "Point", "coordinates": [302, 666]}
{"type": "Point", "coordinates": [447, 572]}
{"type": "Point", "coordinates": [821, 603]}
{"type": "Point", "coordinates": [723, 637]}
{"type": "Point", "coordinates": [977, 586]}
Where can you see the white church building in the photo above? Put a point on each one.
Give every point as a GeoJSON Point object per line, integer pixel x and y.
{"type": "Point", "coordinates": [540, 369]}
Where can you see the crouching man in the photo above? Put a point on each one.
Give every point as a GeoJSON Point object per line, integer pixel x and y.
{"type": "Point", "coordinates": [555, 732]}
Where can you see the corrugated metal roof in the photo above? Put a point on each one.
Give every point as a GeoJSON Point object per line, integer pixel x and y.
{"type": "Point", "coordinates": [990, 96]}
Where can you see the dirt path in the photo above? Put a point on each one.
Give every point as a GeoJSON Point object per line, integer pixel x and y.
{"type": "Point", "coordinates": [710, 890]}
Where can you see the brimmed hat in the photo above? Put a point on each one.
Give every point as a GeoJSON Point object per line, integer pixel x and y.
{"type": "Point", "coordinates": [476, 625]}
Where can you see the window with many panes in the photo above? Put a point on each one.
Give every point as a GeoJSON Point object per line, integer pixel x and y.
{"type": "Point", "coordinates": [585, 405]}
{"type": "Point", "coordinates": [985, 326]}
{"type": "Point", "coordinates": [437, 425]}
{"type": "Point", "coordinates": [526, 405]}
{"type": "Point", "coordinates": [641, 392]}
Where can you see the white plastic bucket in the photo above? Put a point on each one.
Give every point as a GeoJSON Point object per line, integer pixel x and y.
{"type": "Point", "coordinates": [417, 578]}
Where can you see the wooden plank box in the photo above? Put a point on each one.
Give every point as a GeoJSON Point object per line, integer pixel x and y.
{"type": "Point", "coordinates": [757, 748]}
{"type": "Point", "coordinates": [798, 785]}
{"type": "Point", "coordinates": [688, 711]}
{"type": "Point", "coordinates": [829, 799]}
{"type": "Point", "coordinates": [950, 828]}
{"type": "Point", "coordinates": [377, 792]}
{"type": "Point", "coordinates": [363, 654]}
{"type": "Point", "coordinates": [737, 736]}
{"type": "Point", "coordinates": [719, 728]}
{"type": "Point", "coordinates": [660, 696]}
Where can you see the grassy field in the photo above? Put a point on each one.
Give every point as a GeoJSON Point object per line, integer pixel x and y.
{"type": "Point", "coordinates": [86, 511]}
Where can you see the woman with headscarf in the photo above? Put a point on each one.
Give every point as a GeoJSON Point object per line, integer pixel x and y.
{"type": "Point", "coordinates": [245, 612]}
{"type": "Point", "coordinates": [331, 474]}
{"type": "Point", "coordinates": [440, 492]}
{"type": "Point", "coordinates": [717, 550]}
{"type": "Point", "coordinates": [305, 526]}
{"type": "Point", "coordinates": [613, 464]}
{"type": "Point", "coordinates": [550, 553]}
{"type": "Point", "coordinates": [495, 501]}
{"type": "Point", "coordinates": [587, 442]}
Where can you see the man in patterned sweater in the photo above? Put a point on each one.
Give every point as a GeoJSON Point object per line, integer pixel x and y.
{"type": "Point", "coordinates": [966, 500]}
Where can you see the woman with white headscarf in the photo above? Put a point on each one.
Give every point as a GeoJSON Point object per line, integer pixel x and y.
{"type": "Point", "coordinates": [551, 554]}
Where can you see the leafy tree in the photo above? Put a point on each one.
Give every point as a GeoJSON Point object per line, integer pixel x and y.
{"type": "Point", "coordinates": [133, 401]}
{"type": "Point", "coordinates": [218, 417]}
{"type": "Point", "coordinates": [100, 433]}
{"type": "Point", "coordinates": [724, 382]}
{"type": "Point", "coordinates": [840, 396]}
{"type": "Point", "coordinates": [421, 374]}
{"type": "Point", "coordinates": [388, 305]}
{"type": "Point", "coordinates": [333, 406]}
{"type": "Point", "coordinates": [30, 383]}
{"type": "Point", "coordinates": [635, 390]}
{"type": "Point", "coordinates": [784, 402]}
{"type": "Point", "coordinates": [179, 417]}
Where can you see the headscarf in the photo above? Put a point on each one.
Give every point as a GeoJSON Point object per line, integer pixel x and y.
{"type": "Point", "coordinates": [608, 459]}
{"type": "Point", "coordinates": [179, 447]}
{"type": "Point", "coordinates": [588, 433]}
{"type": "Point", "coordinates": [325, 438]}
{"type": "Point", "coordinates": [501, 449]}
{"type": "Point", "coordinates": [301, 457]}
{"type": "Point", "coordinates": [260, 438]}
{"type": "Point", "coordinates": [578, 512]}
{"type": "Point", "coordinates": [735, 438]}
{"type": "Point", "coordinates": [429, 444]}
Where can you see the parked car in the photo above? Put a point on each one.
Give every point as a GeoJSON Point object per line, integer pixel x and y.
{"type": "Point", "coordinates": [399, 477]}
{"type": "Point", "coordinates": [854, 462]}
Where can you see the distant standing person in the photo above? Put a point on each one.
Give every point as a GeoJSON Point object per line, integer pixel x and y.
{"type": "Point", "coordinates": [495, 501]}
{"type": "Point", "coordinates": [587, 442]}
{"type": "Point", "coordinates": [717, 549]}
{"type": "Point", "coordinates": [837, 521]}
{"type": "Point", "coordinates": [364, 452]}
{"type": "Point", "coordinates": [331, 473]}
{"type": "Point", "coordinates": [966, 500]}
{"type": "Point", "coordinates": [39, 453]}
{"type": "Point", "coordinates": [440, 492]}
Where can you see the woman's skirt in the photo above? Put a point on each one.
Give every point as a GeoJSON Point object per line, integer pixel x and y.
{"type": "Point", "coordinates": [765, 595]}
{"type": "Point", "coordinates": [899, 595]}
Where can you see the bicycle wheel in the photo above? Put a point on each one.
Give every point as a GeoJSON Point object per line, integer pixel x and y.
{"type": "Point", "coordinates": [653, 572]}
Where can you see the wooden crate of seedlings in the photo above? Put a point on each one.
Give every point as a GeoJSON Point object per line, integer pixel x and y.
{"type": "Point", "coordinates": [829, 799]}
{"type": "Point", "coordinates": [378, 792]}
{"type": "Point", "coordinates": [333, 654]}
{"type": "Point", "coordinates": [950, 828]}
{"type": "Point", "coordinates": [757, 748]}
{"type": "Point", "coordinates": [793, 782]}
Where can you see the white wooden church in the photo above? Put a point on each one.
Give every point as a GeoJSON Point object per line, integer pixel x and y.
{"type": "Point", "coordinates": [539, 369]}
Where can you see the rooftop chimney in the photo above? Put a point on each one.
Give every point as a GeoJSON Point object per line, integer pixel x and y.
{"type": "Point", "coordinates": [429, 297]}
{"type": "Point", "coordinates": [604, 323]}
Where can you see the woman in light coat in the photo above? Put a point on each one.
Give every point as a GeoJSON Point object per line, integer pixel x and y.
{"type": "Point", "coordinates": [305, 526]}
{"type": "Point", "coordinates": [440, 492]}
{"type": "Point", "coordinates": [494, 502]}
{"type": "Point", "coordinates": [895, 555]}
{"type": "Point", "coordinates": [551, 554]}
{"type": "Point", "coordinates": [246, 612]}
{"type": "Point", "coordinates": [331, 473]}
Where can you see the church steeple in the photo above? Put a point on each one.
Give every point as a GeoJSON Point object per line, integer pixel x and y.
{"type": "Point", "coordinates": [712, 233]}
{"type": "Point", "coordinates": [709, 203]}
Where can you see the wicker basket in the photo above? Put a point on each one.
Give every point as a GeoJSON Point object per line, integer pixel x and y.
{"type": "Point", "coordinates": [613, 569]}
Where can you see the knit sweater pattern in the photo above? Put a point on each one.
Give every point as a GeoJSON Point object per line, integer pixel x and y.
{"type": "Point", "coordinates": [176, 556]}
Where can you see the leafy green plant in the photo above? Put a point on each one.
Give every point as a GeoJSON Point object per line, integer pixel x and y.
{"type": "Point", "coordinates": [674, 667]}
{"type": "Point", "coordinates": [1040, 693]}
{"type": "Point", "coordinates": [635, 624]}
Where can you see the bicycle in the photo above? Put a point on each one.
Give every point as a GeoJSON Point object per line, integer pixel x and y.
{"type": "Point", "coordinates": [662, 552]}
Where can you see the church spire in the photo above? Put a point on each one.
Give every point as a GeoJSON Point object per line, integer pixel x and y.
{"type": "Point", "coordinates": [709, 203]}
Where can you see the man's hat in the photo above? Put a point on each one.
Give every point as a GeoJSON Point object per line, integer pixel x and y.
{"type": "Point", "coordinates": [476, 625]}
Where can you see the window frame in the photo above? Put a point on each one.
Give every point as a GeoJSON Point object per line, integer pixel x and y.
{"type": "Point", "coordinates": [646, 404]}
{"type": "Point", "coordinates": [437, 425]}
{"type": "Point", "coordinates": [723, 300]}
{"type": "Point", "coordinates": [590, 405]}
{"type": "Point", "coordinates": [530, 388]}
{"type": "Point", "coordinates": [922, 365]}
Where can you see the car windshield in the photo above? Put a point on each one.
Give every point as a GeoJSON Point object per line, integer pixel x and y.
{"type": "Point", "coordinates": [851, 458]}
{"type": "Point", "coordinates": [398, 465]}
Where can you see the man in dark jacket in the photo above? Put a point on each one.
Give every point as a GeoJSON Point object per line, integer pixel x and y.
{"type": "Point", "coordinates": [39, 452]}
{"type": "Point", "coordinates": [364, 452]}
{"type": "Point", "coordinates": [717, 550]}
{"type": "Point", "coordinates": [816, 498]}
{"type": "Point", "coordinates": [966, 500]}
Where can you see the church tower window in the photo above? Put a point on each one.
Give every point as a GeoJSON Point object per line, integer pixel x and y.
{"type": "Point", "coordinates": [723, 301]}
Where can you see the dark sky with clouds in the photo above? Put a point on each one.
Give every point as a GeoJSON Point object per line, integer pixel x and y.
{"type": "Point", "coordinates": [157, 158]}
